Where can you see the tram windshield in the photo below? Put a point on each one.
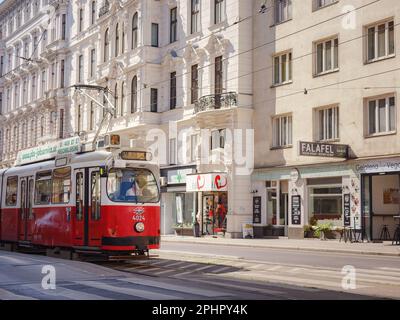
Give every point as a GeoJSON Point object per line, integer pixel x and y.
{"type": "Point", "coordinates": [132, 185]}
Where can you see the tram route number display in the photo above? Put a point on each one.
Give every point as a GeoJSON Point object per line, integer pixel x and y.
{"type": "Point", "coordinates": [256, 209]}
{"type": "Point", "coordinates": [296, 210]}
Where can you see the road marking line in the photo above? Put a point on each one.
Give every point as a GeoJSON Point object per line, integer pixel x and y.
{"type": "Point", "coordinates": [129, 291]}
{"type": "Point", "coordinates": [220, 269]}
{"type": "Point", "coordinates": [8, 295]}
{"type": "Point", "coordinates": [61, 291]}
{"type": "Point", "coordinates": [173, 287]}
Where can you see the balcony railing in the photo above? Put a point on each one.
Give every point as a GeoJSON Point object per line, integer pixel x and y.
{"type": "Point", "coordinates": [104, 9]}
{"type": "Point", "coordinates": [216, 101]}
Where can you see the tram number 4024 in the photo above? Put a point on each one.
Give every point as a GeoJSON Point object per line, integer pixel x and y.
{"type": "Point", "coordinates": [138, 217]}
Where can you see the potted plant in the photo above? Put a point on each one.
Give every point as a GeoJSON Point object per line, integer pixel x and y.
{"type": "Point", "coordinates": [308, 231]}
{"type": "Point", "coordinates": [323, 231]}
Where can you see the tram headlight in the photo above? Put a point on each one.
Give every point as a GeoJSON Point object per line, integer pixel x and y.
{"type": "Point", "coordinates": [139, 227]}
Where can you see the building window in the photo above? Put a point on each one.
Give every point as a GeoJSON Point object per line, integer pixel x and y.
{"type": "Point", "coordinates": [325, 202]}
{"type": "Point", "coordinates": [328, 123]}
{"type": "Point", "coordinates": [116, 40]}
{"type": "Point", "coordinates": [195, 16]}
{"type": "Point", "coordinates": [219, 11]}
{"type": "Point", "coordinates": [154, 34]}
{"type": "Point", "coordinates": [106, 45]}
{"type": "Point", "coordinates": [80, 19]}
{"type": "Point", "coordinates": [218, 81]}
{"type": "Point", "coordinates": [134, 95]}
{"type": "Point", "coordinates": [1, 103]}
{"type": "Point", "coordinates": [173, 25]}
{"type": "Point", "coordinates": [283, 68]}
{"type": "Point", "coordinates": [92, 62]}
{"type": "Point", "coordinates": [282, 131]}
{"type": "Point", "coordinates": [93, 12]}
{"type": "Point", "coordinates": [63, 26]}
{"type": "Point", "coordinates": [122, 98]}
{"type": "Point", "coordinates": [283, 10]}
{"type": "Point", "coordinates": [91, 116]}
{"type": "Point", "coordinates": [218, 138]}
{"type": "Point", "coordinates": [323, 3]}
{"type": "Point", "coordinates": [79, 119]}
{"type": "Point", "coordinates": [80, 69]}
{"type": "Point", "coordinates": [194, 84]}
{"type": "Point", "coordinates": [135, 31]}
{"type": "Point", "coordinates": [61, 127]}
{"type": "Point", "coordinates": [172, 151]}
{"type": "Point", "coordinates": [116, 100]}
{"type": "Point", "coordinates": [154, 100]}
{"type": "Point", "coordinates": [381, 115]}
{"type": "Point", "coordinates": [193, 147]}
{"type": "Point", "coordinates": [42, 129]}
{"type": "Point", "coordinates": [327, 56]}
{"type": "Point", "coordinates": [43, 82]}
{"type": "Point", "coordinates": [172, 91]}
{"type": "Point", "coordinates": [123, 39]}
{"type": "Point", "coordinates": [62, 78]}
{"type": "Point", "coordinates": [34, 88]}
{"type": "Point", "coordinates": [380, 41]}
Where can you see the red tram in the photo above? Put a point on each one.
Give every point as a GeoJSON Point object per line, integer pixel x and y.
{"type": "Point", "coordinates": [103, 201]}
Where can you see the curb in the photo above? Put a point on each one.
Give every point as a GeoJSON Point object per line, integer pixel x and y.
{"type": "Point", "coordinates": [362, 252]}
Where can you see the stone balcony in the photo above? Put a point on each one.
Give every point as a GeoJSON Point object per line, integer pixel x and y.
{"type": "Point", "coordinates": [216, 102]}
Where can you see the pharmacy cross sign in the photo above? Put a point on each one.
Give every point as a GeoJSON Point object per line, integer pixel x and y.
{"type": "Point", "coordinates": [327, 150]}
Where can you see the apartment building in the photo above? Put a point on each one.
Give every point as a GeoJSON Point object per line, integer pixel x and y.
{"type": "Point", "coordinates": [34, 72]}
{"type": "Point", "coordinates": [326, 84]}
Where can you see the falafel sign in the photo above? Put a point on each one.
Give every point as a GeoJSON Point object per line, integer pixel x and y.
{"type": "Point", "coordinates": [206, 182]}
{"type": "Point", "coordinates": [327, 150]}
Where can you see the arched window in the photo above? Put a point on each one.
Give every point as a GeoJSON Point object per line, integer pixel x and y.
{"type": "Point", "coordinates": [106, 45]}
{"type": "Point", "coordinates": [122, 99]}
{"type": "Point", "coordinates": [116, 100]}
{"type": "Point", "coordinates": [116, 40]}
{"type": "Point", "coordinates": [134, 95]}
{"type": "Point", "coordinates": [135, 31]}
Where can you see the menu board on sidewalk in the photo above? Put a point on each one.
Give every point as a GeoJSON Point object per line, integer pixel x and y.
{"type": "Point", "coordinates": [256, 209]}
{"type": "Point", "coordinates": [346, 210]}
{"type": "Point", "coordinates": [296, 210]}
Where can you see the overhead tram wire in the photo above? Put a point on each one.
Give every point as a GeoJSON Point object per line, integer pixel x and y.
{"type": "Point", "coordinates": [259, 46]}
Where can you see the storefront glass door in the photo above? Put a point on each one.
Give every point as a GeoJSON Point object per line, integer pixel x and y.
{"type": "Point", "coordinates": [366, 205]}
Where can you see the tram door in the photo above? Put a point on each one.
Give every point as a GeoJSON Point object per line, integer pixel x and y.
{"type": "Point", "coordinates": [87, 207]}
{"type": "Point", "coordinates": [80, 209]}
{"type": "Point", "coordinates": [26, 217]}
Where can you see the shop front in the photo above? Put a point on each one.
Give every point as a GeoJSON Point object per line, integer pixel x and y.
{"type": "Point", "coordinates": [178, 207]}
{"type": "Point", "coordinates": [212, 193]}
{"type": "Point", "coordinates": [294, 200]}
{"type": "Point", "coordinates": [380, 197]}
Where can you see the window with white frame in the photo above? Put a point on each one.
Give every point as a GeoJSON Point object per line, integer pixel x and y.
{"type": "Point", "coordinates": [328, 123]}
{"type": "Point", "coordinates": [323, 3]}
{"type": "Point", "coordinates": [172, 151]}
{"type": "Point", "coordinates": [381, 115]}
{"type": "Point", "coordinates": [92, 62]}
{"type": "Point", "coordinates": [327, 55]}
{"type": "Point", "coordinates": [283, 10]}
{"type": "Point", "coordinates": [195, 16]}
{"type": "Point", "coordinates": [80, 14]}
{"type": "Point", "coordinates": [283, 68]}
{"type": "Point", "coordinates": [218, 138]}
{"type": "Point", "coordinates": [219, 11]}
{"type": "Point", "coordinates": [380, 41]}
{"type": "Point", "coordinates": [80, 68]}
{"type": "Point", "coordinates": [282, 131]}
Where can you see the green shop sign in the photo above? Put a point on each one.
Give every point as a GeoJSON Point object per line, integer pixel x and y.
{"type": "Point", "coordinates": [49, 151]}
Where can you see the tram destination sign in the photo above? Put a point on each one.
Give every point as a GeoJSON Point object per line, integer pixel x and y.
{"type": "Point", "coordinates": [327, 150]}
{"type": "Point", "coordinates": [49, 151]}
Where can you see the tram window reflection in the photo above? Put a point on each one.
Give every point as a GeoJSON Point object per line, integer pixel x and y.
{"type": "Point", "coordinates": [132, 185]}
{"type": "Point", "coordinates": [11, 191]}
{"type": "Point", "coordinates": [61, 185]}
{"type": "Point", "coordinates": [43, 187]}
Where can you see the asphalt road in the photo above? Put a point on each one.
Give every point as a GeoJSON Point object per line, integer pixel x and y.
{"type": "Point", "coordinates": [21, 278]}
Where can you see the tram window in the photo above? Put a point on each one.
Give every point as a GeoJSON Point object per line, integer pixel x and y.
{"type": "Point", "coordinates": [43, 187]}
{"type": "Point", "coordinates": [79, 196]}
{"type": "Point", "coordinates": [95, 195]}
{"type": "Point", "coordinates": [61, 185]}
{"type": "Point", "coordinates": [11, 191]}
{"type": "Point", "coordinates": [132, 185]}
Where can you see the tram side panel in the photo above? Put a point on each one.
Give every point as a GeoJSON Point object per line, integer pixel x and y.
{"type": "Point", "coordinates": [9, 215]}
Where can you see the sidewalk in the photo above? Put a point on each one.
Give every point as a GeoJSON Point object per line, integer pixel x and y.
{"type": "Point", "coordinates": [385, 249]}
